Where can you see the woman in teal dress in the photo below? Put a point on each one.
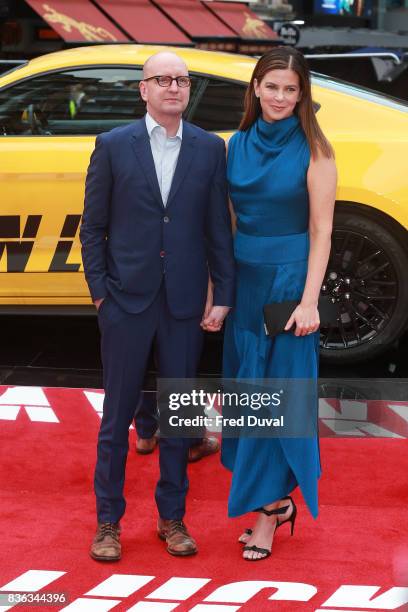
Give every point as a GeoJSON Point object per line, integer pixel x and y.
{"type": "Point", "coordinates": [282, 183]}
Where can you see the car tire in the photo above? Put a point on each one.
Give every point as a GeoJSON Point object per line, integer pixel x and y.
{"type": "Point", "coordinates": [367, 277]}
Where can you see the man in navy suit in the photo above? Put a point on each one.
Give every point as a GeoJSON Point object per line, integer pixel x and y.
{"type": "Point", "coordinates": [155, 226]}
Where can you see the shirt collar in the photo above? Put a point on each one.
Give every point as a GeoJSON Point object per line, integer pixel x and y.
{"type": "Point", "coordinates": [151, 124]}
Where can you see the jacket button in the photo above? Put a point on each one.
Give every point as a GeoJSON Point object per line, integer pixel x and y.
{"type": "Point", "coordinates": [162, 253]}
{"type": "Point", "coordinates": [166, 219]}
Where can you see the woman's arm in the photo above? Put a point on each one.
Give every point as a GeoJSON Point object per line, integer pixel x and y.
{"type": "Point", "coordinates": [321, 185]}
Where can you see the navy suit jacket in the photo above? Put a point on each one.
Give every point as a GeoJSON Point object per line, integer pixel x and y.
{"type": "Point", "coordinates": [130, 241]}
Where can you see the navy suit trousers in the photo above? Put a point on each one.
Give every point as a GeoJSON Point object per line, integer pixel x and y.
{"type": "Point", "coordinates": [146, 415]}
{"type": "Point", "coordinates": [126, 341]}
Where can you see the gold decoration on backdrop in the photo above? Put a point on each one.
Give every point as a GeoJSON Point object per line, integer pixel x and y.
{"type": "Point", "coordinates": [254, 28]}
{"type": "Point", "coordinates": [88, 31]}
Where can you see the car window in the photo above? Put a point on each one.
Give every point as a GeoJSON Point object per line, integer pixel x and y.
{"type": "Point", "coordinates": [220, 107]}
{"type": "Point", "coordinates": [329, 82]}
{"type": "Point", "coordinates": [72, 102]}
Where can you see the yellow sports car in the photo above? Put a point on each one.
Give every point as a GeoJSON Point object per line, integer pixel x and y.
{"type": "Point", "coordinates": [51, 110]}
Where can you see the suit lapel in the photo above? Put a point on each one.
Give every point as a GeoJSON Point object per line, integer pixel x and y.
{"type": "Point", "coordinates": [185, 157]}
{"type": "Point", "coordinates": [141, 146]}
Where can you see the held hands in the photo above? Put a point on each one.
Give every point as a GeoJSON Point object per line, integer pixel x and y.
{"type": "Point", "coordinates": [213, 316]}
{"type": "Point", "coordinates": [306, 318]}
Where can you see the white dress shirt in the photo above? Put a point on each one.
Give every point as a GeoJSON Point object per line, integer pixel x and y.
{"type": "Point", "coordinates": [165, 151]}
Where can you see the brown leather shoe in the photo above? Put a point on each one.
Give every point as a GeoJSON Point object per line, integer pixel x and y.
{"type": "Point", "coordinates": [208, 446]}
{"type": "Point", "coordinates": [145, 446]}
{"type": "Point", "coordinates": [106, 544]}
{"type": "Point", "coordinates": [179, 541]}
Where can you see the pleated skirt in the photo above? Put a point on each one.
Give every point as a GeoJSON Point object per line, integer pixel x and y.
{"type": "Point", "coordinates": [269, 269]}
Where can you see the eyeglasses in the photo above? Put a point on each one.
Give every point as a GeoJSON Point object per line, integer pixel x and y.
{"type": "Point", "coordinates": [166, 81]}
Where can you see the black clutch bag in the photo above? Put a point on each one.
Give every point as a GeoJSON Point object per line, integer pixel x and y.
{"type": "Point", "coordinates": [277, 314]}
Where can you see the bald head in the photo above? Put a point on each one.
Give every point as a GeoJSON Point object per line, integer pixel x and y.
{"type": "Point", "coordinates": [164, 62]}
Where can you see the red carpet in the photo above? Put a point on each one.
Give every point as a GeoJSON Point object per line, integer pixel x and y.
{"type": "Point", "coordinates": [353, 557]}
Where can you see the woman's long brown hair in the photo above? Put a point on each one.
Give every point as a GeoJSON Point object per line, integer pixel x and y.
{"type": "Point", "coordinates": [283, 58]}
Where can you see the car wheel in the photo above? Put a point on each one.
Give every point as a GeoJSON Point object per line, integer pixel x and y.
{"type": "Point", "coordinates": [367, 278]}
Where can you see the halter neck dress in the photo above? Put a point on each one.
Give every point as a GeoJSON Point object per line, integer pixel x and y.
{"type": "Point", "coordinates": [267, 176]}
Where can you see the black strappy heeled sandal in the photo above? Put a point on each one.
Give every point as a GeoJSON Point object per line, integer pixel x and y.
{"type": "Point", "coordinates": [290, 519]}
{"type": "Point", "coordinates": [264, 551]}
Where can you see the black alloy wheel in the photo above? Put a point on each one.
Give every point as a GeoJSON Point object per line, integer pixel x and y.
{"type": "Point", "coordinates": [367, 277]}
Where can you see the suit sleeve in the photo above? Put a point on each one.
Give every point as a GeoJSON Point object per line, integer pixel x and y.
{"type": "Point", "coordinates": [95, 219]}
{"type": "Point", "coordinates": [220, 253]}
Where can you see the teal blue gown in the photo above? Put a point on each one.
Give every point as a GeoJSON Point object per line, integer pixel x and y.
{"type": "Point", "coordinates": [267, 174]}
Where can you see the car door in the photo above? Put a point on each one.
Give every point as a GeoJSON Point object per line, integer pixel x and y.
{"type": "Point", "coordinates": [48, 125]}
